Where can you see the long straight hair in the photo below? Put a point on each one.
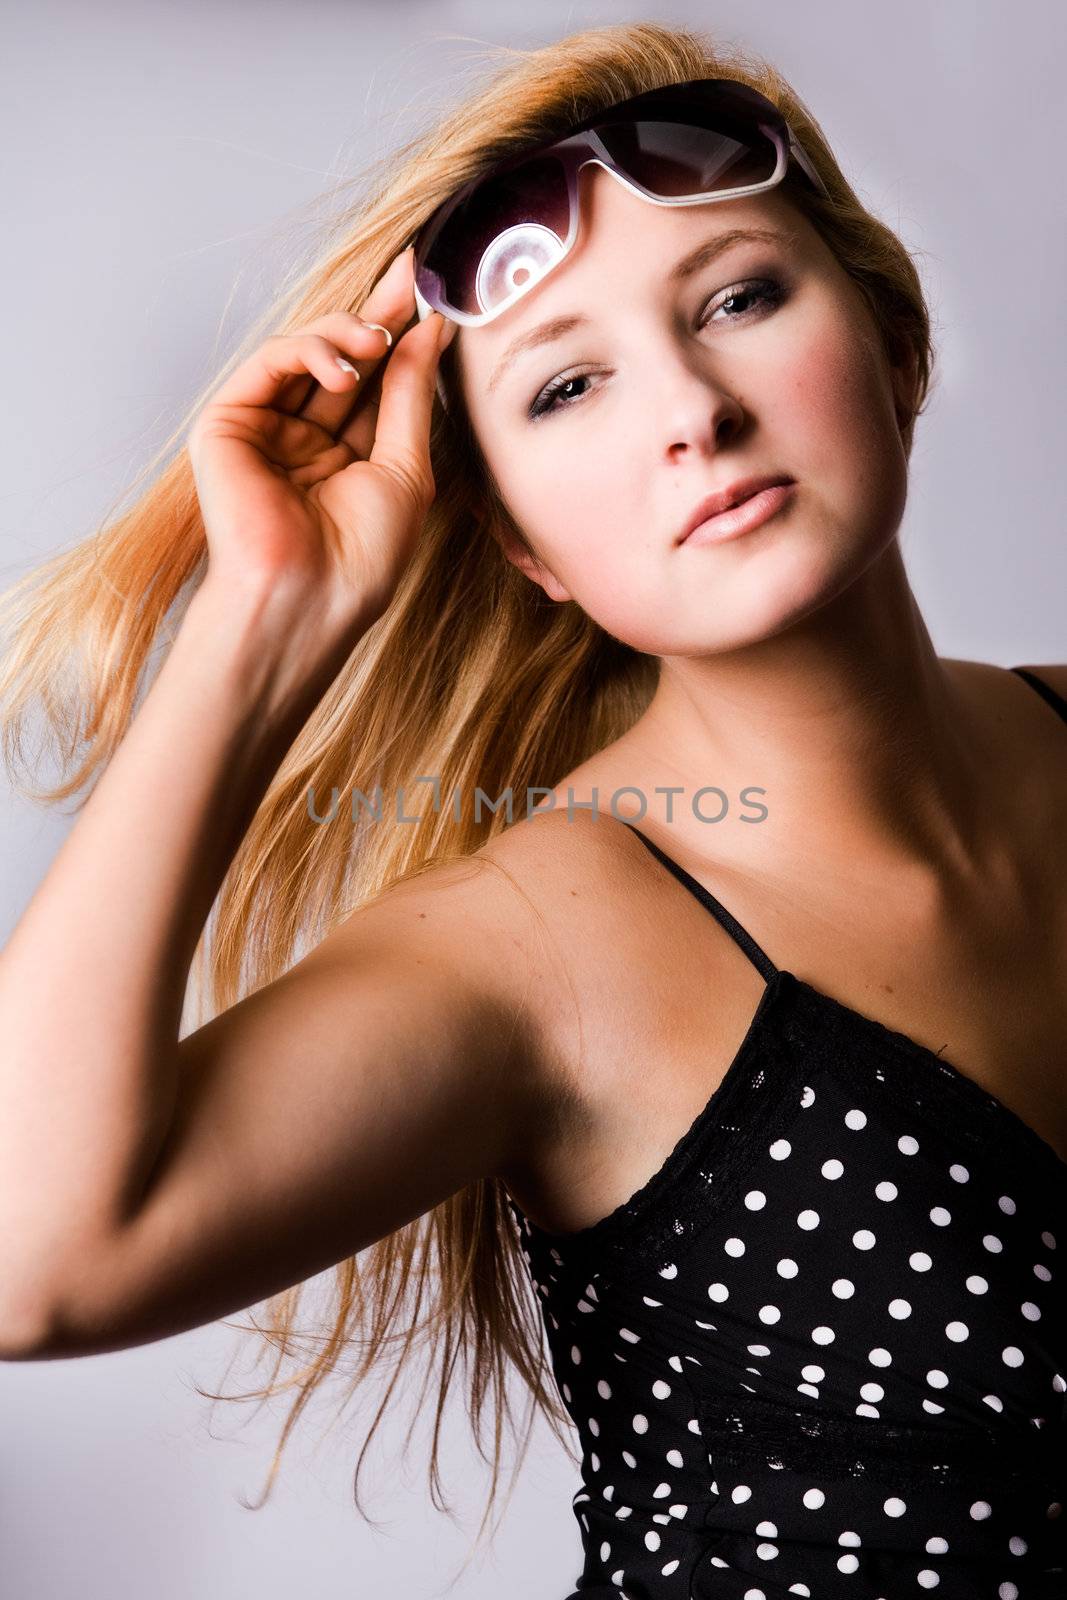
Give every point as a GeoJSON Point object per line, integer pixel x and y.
{"type": "Point", "coordinates": [471, 674]}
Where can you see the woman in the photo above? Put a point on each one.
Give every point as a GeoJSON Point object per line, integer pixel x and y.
{"type": "Point", "coordinates": [790, 1223]}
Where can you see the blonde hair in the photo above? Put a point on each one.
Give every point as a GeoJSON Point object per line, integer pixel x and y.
{"type": "Point", "coordinates": [471, 674]}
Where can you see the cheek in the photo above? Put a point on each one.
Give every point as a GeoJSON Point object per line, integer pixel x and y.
{"type": "Point", "coordinates": [835, 398]}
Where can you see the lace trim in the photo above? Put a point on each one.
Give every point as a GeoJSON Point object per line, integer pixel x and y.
{"type": "Point", "coordinates": [948, 1100]}
{"type": "Point", "coordinates": [740, 1433]}
{"type": "Point", "coordinates": [757, 1099]}
{"type": "Point", "coordinates": [796, 1033]}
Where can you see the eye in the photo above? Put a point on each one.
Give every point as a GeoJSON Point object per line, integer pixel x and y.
{"type": "Point", "coordinates": [766, 292]}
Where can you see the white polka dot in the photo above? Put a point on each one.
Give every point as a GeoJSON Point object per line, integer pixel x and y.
{"type": "Point", "coordinates": [661, 1390]}
{"type": "Point", "coordinates": [920, 1261]}
{"type": "Point", "coordinates": [668, 1272]}
{"type": "Point", "coordinates": [787, 1268]}
{"type": "Point", "coordinates": [652, 1539]}
{"type": "Point", "coordinates": [576, 1354]}
{"type": "Point", "coordinates": [977, 1285]}
{"type": "Point", "coordinates": [936, 1546]}
{"type": "Point", "coordinates": [899, 1309]}
{"type": "Point", "coordinates": [734, 1247]}
{"type": "Point", "coordinates": [814, 1374]}
{"type": "Point", "coordinates": [993, 1402]}
{"type": "Point", "coordinates": [769, 1314]}
{"type": "Point", "coordinates": [1042, 1272]}
{"type": "Point", "coordinates": [850, 1538]}
{"type": "Point", "coordinates": [661, 1491]}
{"type": "Point", "coordinates": [885, 1190]}
{"type": "Point", "coordinates": [780, 1149]}
{"type": "Point", "coordinates": [675, 1459]}
{"type": "Point", "coordinates": [1007, 1205]}
{"type": "Point", "coordinates": [640, 1424]}
{"type": "Point", "coordinates": [847, 1563]}
{"type": "Point", "coordinates": [832, 1169]}
{"type": "Point", "coordinates": [864, 1239]}
{"type": "Point", "coordinates": [718, 1292]}
{"type": "Point", "coordinates": [813, 1499]}
{"type": "Point", "coordinates": [766, 1552]}
{"type": "Point", "coordinates": [957, 1332]}
{"type": "Point", "coordinates": [907, 1145]}
{"type": "Point", "coordinates": [671, 1566]}
{"type": "Point", "coordinates": [1048, 1240]}
{"type": "Point", "coordinates": [980, 1510]}
{"type": "Point", "coordinates": [594, 1427]}
{"type": "Point", "coordinates": [936, 1378]}
{"type": "Point", "coordinates": [603, 1389]}
{"type": "Point", "coordinates": [755, 1200]}
{"type": "Point", "coordinates": [843, 1288]}
{"type": "Point", "coordinates": [822, 1335]}
{"type": "Point", "coordinates": [632, 1338]}
{"type": "Point", "coordinates": [605, 1550]}
{"type": "Point", "coordinates": [740, 1493]}
{"type": "Point", "coordinates": [677, 1510]}
{"type": "Point", "coordinates": [940, 1217]}
{"type": "Point", "coordinates": [855, 1119]}
{"type": "Point", "coordinates": [1017, 1546]}
{"type": "Point", "coordinates": [873, 1392]}
{"type": "Point", "coordinates": [958, 1173]}
{"type": "Point", "coordinates": [1007, 1591]}
{"type": "Point", "coordinates": [1012, 1356]}
{"type": "Point", "coordinates": [894, 1507]}
{"type": "Point", "coordinates": [927, 1579]}
{"type": "Point", "coordinates": [880, 1358]}
{"type": "Point", "coordinates": [767, 1530]}
{"type": "Point", "coordinates": [808, 1220]}
{"type": "Point", "coordinates": [1030, 1311]}
{"type": "Point", "coordinates": [992, 1244]}
{"type": "Point", "coordinates": [631, 1461]}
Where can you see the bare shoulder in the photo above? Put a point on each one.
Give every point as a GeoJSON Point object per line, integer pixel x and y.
{"type": "Point", "coordinates": [1054, 674]}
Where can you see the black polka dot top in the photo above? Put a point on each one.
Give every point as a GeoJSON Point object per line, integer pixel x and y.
{"type": "Point", "coordinates": [823, 1350]}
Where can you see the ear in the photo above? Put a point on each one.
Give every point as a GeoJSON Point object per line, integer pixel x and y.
{"type": "Point", "coordinates": [519, 556]}
{"type": "Point", "coordinates": [904, 371]}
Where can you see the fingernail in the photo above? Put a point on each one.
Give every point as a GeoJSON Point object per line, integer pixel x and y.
{"type": "Point", "coordinates": [381, 329]}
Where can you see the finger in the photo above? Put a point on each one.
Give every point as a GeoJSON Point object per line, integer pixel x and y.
{"type": "Point", "coordinates": [259, 380]}
{"type": "Point", "coordinates": [402, 437]}
{"type": "Point", "coordinates": [365, 346]}
{"type": "Point", "coordinates": [360, 343]}
{"type": "Point", "coordinates": [390, 306]}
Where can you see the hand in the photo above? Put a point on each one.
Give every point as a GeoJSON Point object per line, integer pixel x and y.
{"type": "Point", "coordinates": [307, 493]}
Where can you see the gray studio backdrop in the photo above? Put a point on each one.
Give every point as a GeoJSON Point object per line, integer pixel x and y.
{"type": "Point", "coordinates": [157, 158]}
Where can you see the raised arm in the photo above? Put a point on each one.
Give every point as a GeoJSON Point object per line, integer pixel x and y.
{"type": "Point", "coordinates": [137, 1172]}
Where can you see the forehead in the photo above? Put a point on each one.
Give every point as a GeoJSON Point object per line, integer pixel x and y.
{"type": "Point", "coordinates": [625, 240]}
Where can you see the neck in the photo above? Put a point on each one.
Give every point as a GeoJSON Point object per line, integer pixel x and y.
{"type": "Point", "coordinates": [862, 738]}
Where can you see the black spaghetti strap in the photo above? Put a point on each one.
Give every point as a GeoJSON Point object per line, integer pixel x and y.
{"type": "Point", "coordinates": [763, 963]}
{"type": "Point", "coordinates": [1045, 690]}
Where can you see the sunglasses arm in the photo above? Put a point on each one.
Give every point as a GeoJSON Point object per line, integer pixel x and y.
{"type": "Point", "coordinates": [424, 309]}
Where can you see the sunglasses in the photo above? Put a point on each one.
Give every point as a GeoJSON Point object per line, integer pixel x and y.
{"type": "Point", "coordinates": [500, 235]}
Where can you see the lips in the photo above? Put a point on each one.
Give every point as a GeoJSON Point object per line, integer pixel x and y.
{"type": "Point", "coordinates": [734, 495]}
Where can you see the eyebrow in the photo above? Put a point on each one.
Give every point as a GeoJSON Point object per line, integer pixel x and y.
{"type": "Point", "coordinates": [687, 267]}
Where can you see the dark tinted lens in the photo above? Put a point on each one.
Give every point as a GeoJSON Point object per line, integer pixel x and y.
{"type": "Point", "coordinates": [502, 238]}
{"type": "Point", "coordinates": [674, 159]}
